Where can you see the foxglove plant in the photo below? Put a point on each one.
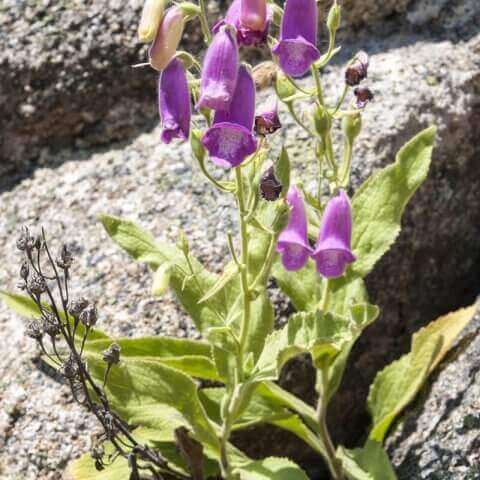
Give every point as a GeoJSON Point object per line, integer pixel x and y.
{"type": "Point", "coordinates": [169, 406]}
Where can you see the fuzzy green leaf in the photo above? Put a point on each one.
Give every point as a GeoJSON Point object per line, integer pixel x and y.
{"type": "Point", "coordinates": [379, 203]}
{"type": "Point", "coordinates": [367, 463]}
{"type": "Point", "coordinates": [398, 383]}
{"type": "Point", "coordinates": [189, 356]}
{"type": "Point", "coordinates": [282, 170]}
{"type": "Point", "coordinates": [323, 336]}
{"type": "Point", "coordinates": [272, 468]}
{"type": "Point", "coordinates": [138, 389]}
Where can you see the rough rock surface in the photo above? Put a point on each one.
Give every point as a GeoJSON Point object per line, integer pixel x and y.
{"type": "Point", "coordinates": [66, 76]}
{"type": "Point", "coordinates": [439, 438]}
{"type": "Point", "coordinates": [433, 268]}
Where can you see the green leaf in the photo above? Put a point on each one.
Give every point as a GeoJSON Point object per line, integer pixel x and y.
{"type": "Point", "coordinates": [302, 286]}
{"type": "Point", "coordinates": [230, 272]}
{"type": "Point", "coordinates": [272, 468]}
{"type": "Point", "coordinates": [138, 389]}
{"type": "Point", "coordinates": [398, 383]}
{"type": "Point", "coordinates": [367, 463]}
{"type": "Point", "coordinates": [361, 316]}
{"type": "Point", "coordinates": [264, 407]}
{"type": "Point", "coordinates": [141, 245]}
{"type": "Point", "coordinates": [84, 469]}
{"type": "Point", "coordinates": [323, 336]}
{"type": "Point", "coordinates": [26, 307]}
{"type": "Point", "coordinates": [379, 203]}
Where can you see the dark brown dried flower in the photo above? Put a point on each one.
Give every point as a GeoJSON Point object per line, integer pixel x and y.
{"type": "Point", "coordinates": [364, 95]}
{"type": "Point", "coordinates": [65, 259]}
{"type": "Point", "coordinates": [270, 187]}
{"type": "Point", "coordinates": [357, 70]}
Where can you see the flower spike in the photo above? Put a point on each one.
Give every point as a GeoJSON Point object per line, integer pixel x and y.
{"type": "Point", "coordinates": [333, 251]}
{"type": "Point", "coordinates": [297, 49]}
{"type": "Point", "coordinates": [293, 242]}
{"type": "Point", "coordinates": [230, 139]}
{"type": "Point", "coordinates": [174, 102]}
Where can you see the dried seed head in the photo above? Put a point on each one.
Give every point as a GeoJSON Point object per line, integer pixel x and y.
{"type": "Point", "coordinates": [364, 95]}
{"type": "Point", "coordinates": [270, 187]}
{"type": "Point", "coordinates": [24, 270]}
{"type": "Point", "coordinates": [76, 307]}
{"type": "Point", "coordinates": [37, 284]}
{"type": "Point", "coordinates": [357, 71]}
{"type": "Point", "coordinates": [25, 242]}
{"type": "Point", "coordinates": [50, 326]}
{"type": "Point", "coordinates": [89, 315]}
{"type": "Point", "coordinates": [34, 330]}
{"type": "Point", "coordinates": [69, 369]}
{"type": "Point", "coordinates": [65, 259]}
{"type": "Point", "coordinates": [112, 354]}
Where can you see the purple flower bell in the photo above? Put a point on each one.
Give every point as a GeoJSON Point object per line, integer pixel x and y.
{"type": "Point", "coordinates": [250, 19]}
{"type": "Point", "coordinates": [293, 242]}
{"type": "Point", "coordinates": [174, 102]}
{"type": "Point", "coordinates": [298, 37]}
{"type": "Point", "coordinates": [230, 139]}
{"type": "Point", "coordinates": [333, 252]}
{"type": "Point", "coordinates": [220, 71]}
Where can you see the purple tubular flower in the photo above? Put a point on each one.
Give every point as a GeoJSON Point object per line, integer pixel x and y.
{"type": "Point", "coordinates": [298, 36]}
{"type": "Point", "coordinates": [267, 122]}
{"type": "Point", "coordinates": [293, 242]}
{"type": "Point", "coordinates": [174, 102]}
{"type": "Point", "coordinates": [230, 139]}
{"type": "Point", "coordinates": [333, 252]}
{"type": "Point", "coordinates": [247, 34]}
{"type": "Point", "coordinates": [220, 71]}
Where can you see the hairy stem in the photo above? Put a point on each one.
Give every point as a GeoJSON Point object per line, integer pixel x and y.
{"type": "Point", "coordinates": [333, 464]}
{"type": "Point", "coordinates": [204, 22]}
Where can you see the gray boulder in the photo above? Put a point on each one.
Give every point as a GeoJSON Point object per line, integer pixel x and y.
{"type": "Point", "coordinates": [438, 438]}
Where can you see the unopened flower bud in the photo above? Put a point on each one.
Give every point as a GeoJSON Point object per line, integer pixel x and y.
{"type": "Point", "coordinates": [152, 14]}
{"type": "Point", "coordinates": [168, 37]}
{"type": "Point", "coordinates": [270, 187]}
{"type": "Point", "coordinates": [283, 87]}
{"type": "Point", "coordinates": [112, 354]}
{"type": "Point", "coordinates": [322, 121]}
{"type": "Point", "coordinates": [161, 279]}
{"type": "Point", "coordinates": [357, 70]}
{"type": "Point", "coordinates": [351, 126]}
{"type": "Point", "coordinates": [364, 95]}
{"type": "Point", "coordinates": [89, 315]}
{"type": "Point", "coordinates": [334, 17]}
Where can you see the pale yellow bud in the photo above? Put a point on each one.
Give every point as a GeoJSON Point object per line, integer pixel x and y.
{"type": "Point", "coordinates": [161, 279]}
{"type": "Point", "coordinates": [168, 37]}
{"type": "Point", "coordinates": [152, 14]}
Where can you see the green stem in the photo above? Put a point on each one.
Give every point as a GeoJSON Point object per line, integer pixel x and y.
{"type": "Point", "coordinates": [346, 165]}
{"type": "Point", "coordinates": [244, 265]}
{"type": "Point", "coordinates": [323, 305]}
{"type": "Point", "coordinates": [333, 464]}
{"type": "Point", "coordinates": [318, 84]}
{"type": "Point", "coordinates": [341, 100]}
{"type": "Point", "coordinates": [204, 22]}
{"type": "Point", "coordinates": [298, 120]}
